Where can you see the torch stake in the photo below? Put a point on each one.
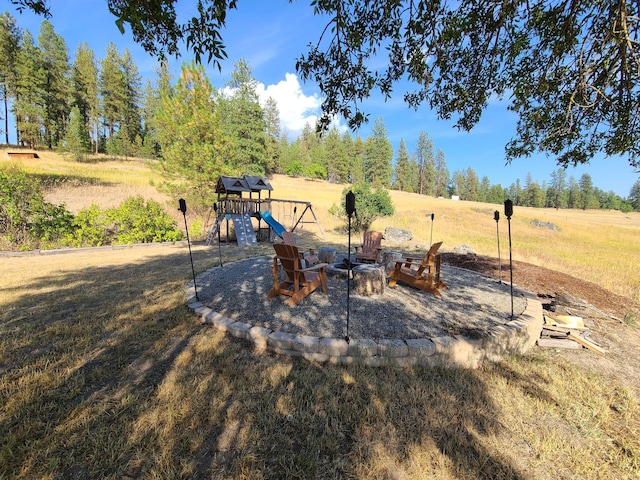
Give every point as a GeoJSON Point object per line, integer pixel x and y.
{"type": "Point", "coordinates": [431, 238]}
{"type": "Point", "coordinates": [508, 211]}
{"type": "Point", "coordinates": [183, 209]}
{"type": "Point", "coordinates": [350, 207]}
{"type": "Point", "coordinates": [496, 217]}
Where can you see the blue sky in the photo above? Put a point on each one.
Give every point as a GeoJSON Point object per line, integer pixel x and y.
{"type": "Point", "coordinates": [270, 35]}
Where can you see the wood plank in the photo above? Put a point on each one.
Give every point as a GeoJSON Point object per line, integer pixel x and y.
{"type": "Point", "coordinates": [558, 343]}
{"type": "Point", "coordinates": [590, 345]}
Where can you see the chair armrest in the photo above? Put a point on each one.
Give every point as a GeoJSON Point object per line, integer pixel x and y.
{"type": "Point", "coordinates": [317, 266]}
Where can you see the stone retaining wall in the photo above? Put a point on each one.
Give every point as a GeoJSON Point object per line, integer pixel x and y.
{"type": "Point", "coordinates": [514, 337]}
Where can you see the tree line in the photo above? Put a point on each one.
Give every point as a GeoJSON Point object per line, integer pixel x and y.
{"type": "Point", "coordinates": [198, 132]}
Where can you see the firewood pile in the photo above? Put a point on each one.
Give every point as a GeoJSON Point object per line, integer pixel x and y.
{"type": "Point", "coordinates": [567, 331]}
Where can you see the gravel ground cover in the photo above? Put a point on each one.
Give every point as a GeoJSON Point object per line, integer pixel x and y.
{"type": "Point", "coordinates": [472, 304]}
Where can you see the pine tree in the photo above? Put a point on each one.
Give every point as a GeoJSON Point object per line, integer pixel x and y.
{"type": "Point", "coordinates": [84, 85]}
{"type": "Point", "coordinates": [337, 159]}
{"type": "Point", "coordinates": [244, 121]}
{"type": "Point", "coordinates": [28, 104]}
{"type": "Point", "coordinates": [56, 88]}
{"type": "Point", "coordinates": [402, 178]}
{"type": "Point", "coordinates": [272, 124]}
{"type": "Point", "coordinates": [194, 146]}
{"type": "Point", "coordinates": [426, 164]}
{"type": "Point", "coordinates": [9, 44]}
{"type": "Point", "coordinates": [557, 193]}
{"type": "Point", "coordinates": [130, 117]}
{"type": "Point", "coordinates": [471, 185]}
{"type": "Point", "coordinates": [587, 196]}
{"type": "Point", "coordinates": [357, 160]}
{"type": "Point", "coordinates": [378, 156]}
{"type": "Point", "coordinates": [77, 140]}
{"type": "Point", "coordinates": [574, 197]}
{"type": "Point", "coordinates": [634, 196]}
{"type": "Point", "coordinates": [441, 179]}
{"type": "Point", "coordinates": [111, 89]}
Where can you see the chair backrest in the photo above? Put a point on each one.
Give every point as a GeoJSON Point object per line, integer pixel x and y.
{"type": "Point", "coordinates": [289, 258]}
{"type": "Point", "coordinates": [371, 241]}
{"type": "Point", "coordinates": [289, 238]}
{"type": "Point", "coordinates": [428, 260]}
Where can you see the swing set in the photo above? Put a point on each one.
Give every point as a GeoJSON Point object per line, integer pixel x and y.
{"type": "Point", "coordinates": [255, 219]}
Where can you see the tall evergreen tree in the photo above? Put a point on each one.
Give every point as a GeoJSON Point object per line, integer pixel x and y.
{"type": "Point", "coordinates": [441, 178]}
{"type": "Point", "coordinates": [84, 83]}
{"type": "Point", "coordinates": [426, 164]}
{"type": "Point", "coordinates": [402, 174]}
{"type": "Point", "coordinates": [56, 88]}
{"type": "Point", "coordinates": [130, 115]}
{"type": "Point", "coordinates": [194, 146]}
{"type": "Point", "coordinates": [557, 193]}
{"type": "Point", "coordinates": [244, 121]}
{"type": "Point", "coordinates": [485, 188]}
{"type": "Point", "coordinates": [272, 124]}
{"type": "Point", "coordinates": [471, 185]}
{"type": "Point", "coordinates": [77, 141]}
{"type": "Point", "coordinates": [28, 104]}
{"type": "Point", "coordinates": [337, 158]}
{"type": "Point", "coordinates": [111, 86]}
{"type": "Point", "coordinates": [150, 106]}
{"type": "Point", "coordinates": [573, 194]}
{"type": "Point", "coordinates": [378, 156]}
{"type": "Point", "coordinates": [457, 184]}
{"type": "Point", "coordinates": [586, 192]}
{"type": "Point", "coordinates": [634, 196]}
{"type": "Point", "coordinates": [356, 174]}
{"type": "Point", "coordinates": [9, 45]}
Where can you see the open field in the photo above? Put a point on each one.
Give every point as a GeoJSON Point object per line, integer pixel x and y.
{"type": "Point", "coordinates": [595, 245]}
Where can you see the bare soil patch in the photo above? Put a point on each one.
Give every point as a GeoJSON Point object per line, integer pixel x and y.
{"type": "Point", "coordinates": [603, 313]}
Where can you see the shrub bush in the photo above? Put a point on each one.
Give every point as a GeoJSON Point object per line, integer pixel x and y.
{"type": "Point", "coordinates": [370, 205]}
{"type": "Point", "coordinates": [139, 222]}
{"type": "Point", "coordinates": [27, 222]}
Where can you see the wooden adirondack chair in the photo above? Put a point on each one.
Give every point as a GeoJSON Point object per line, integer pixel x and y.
{"type": "Point", "coordinates": [309, 257]}
{"type": "Point", "coordinates": [371, 247]}
{"type": "Point", "coordinates": [299, 281]}
{"type": "Point", "coordinates": [425, 277]}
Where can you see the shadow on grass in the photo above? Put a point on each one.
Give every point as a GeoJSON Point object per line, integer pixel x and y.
{"type": "Point", "coordinates": [105, 372]}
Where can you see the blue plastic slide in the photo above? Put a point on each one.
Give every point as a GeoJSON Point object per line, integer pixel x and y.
{"type": "Point", "coordinates": [273, 223]}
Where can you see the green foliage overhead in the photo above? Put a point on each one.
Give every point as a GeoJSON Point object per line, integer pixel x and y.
{"type": "Point", "coordinates": [370, 205]}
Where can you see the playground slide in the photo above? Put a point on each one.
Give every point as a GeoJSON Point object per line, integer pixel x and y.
{"type": "Point", "coordinates": [273, 223]}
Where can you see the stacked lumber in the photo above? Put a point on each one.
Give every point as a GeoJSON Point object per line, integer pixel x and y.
{"type": "Point", "coordinates": [566, 331]}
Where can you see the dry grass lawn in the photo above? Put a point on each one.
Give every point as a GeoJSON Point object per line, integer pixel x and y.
{"type": "Point", "coordinates": [104, 372]}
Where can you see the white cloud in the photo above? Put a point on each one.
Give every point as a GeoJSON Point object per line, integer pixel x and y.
{"type": "Point", "coordinates": [296, 109]}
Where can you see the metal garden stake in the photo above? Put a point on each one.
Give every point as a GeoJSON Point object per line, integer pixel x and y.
{"type": "Point", "coordinates": [496, 217]}
{"type": "Point", "coordinates": [508, 211]}
{"type": "Point", "coordinates": [183, 209]}
{"type": "Point", "coordinates": [350, 207]}
{"type": "Point", "coordinates": [431, 238]}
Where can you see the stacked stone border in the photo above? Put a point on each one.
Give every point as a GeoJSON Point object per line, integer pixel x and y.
{"type": "Point", "coordinates": [511, 338]}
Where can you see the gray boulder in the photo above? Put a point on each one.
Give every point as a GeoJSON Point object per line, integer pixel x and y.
{"type": "Point", "coordinates": [397, 235]}
{"type": "Point", "coordinates": [464, 250]}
